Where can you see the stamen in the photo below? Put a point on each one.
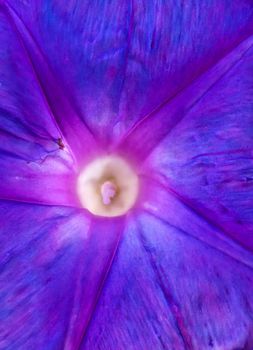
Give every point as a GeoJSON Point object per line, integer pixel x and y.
{"type": "Point", "coordinates": [108, 186]}
{"type": "Point", "coordinates": [108, 191]}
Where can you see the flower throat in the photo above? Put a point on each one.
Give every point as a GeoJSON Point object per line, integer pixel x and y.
{"type": "Point", "coordinates": [108, 186]}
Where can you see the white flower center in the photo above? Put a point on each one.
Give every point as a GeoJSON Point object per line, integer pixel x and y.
{"type": "Point", "coordinates": [108, 186]}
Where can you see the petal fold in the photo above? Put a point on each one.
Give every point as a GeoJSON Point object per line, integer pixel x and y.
{"type": "Point", "coordinates": [207, 158]}
{"type": "Point", "coordinates": [36, 163]}
{"type": "Point", "coordinates": [117, 69]}
{"type": "Point", "coordinates": [142, 139]}
{"type": "Point", "coordinates": [167, 290]}
{"type": "Point", "coordinates": [63, 112]}
{"type": "Point", "coordinates": [54, 262]}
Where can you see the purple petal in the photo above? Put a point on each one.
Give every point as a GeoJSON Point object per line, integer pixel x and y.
{"type": "Point", "coordinates": [167, 206]}
{"type": "Point", "coordinates": [53, 265]}
{"type": "Point", "coordinates": [151, 130]}
{"type": "Point", "coordinates": [36, 162]}
{"type": "Point", "coordinates": [168, 290]}
{"type": "Point", "coordinates": [207, 159]}
{"type": "Point", "coordinates": [62, 111]}
{"type": "Point", "coordinates": [92, 74]}
{"type": "Point", "coordinates": [115, 69]}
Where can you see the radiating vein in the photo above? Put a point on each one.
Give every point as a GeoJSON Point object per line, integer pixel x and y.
{"type": "Point", "coordinates": [67, 121]}
{"type": "Point", "coordinates": [146, 134]}
{"type": "Point", "coordinates": [183, 215]}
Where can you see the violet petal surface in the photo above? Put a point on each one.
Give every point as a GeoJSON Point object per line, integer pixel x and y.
{"type": "Point", "coordinates": [167, 84]}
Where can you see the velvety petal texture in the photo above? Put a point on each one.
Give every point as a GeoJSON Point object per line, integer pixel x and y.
{"type": "Point", "coordinates": [53, 265]}
{"type": "Point", "coordinates": [34, 158]}
{"type": "Point", "coordinates": [207, 158]}
{"type": "Point", "coordinates": [167, 85]}
{"type": "Point", "coordinates": [116, 69]}
{"type": "Point", "coordinates": [168, 290]}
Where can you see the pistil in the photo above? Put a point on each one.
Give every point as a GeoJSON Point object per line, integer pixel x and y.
{"type": "Point", "coordinates": [108, 186]}
{"type": "Point", "coordinates": [108, 192]}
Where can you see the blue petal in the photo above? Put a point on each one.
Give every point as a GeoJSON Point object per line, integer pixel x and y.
{"type": "Point", "coordinates": [163, 303]}
{"type": "Point", "coordinates": [117, 68]}
{"type": "Point", "coordinates": [167, 290]}
{"type": "Point", "coordinates": [53, 264]}
{"type": "Point", "coordinates": [207, 158]}
{"type": "Point", "coordinates": [35, 165]}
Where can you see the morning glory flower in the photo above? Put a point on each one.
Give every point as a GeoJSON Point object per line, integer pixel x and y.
{"type": "Point", "coordinates": [126, 191]}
